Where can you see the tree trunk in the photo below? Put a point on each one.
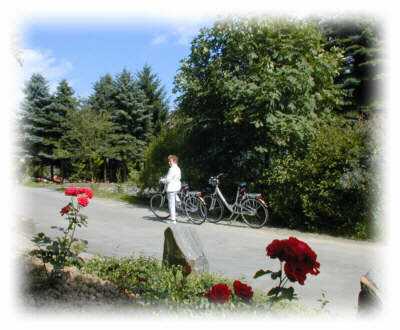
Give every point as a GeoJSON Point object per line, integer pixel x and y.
{"type": "Point", "coordinates": [91, 170]}
{"type": "Point", "coordinates": [51, 172]}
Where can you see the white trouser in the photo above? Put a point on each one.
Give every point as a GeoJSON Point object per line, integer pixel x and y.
{"type": "Point", "coordinates": [172, 197]}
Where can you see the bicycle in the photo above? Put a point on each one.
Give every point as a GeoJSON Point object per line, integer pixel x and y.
{"type": "Point", "coordinates": [250, 206]}
{"type": "Point", "coordinates": [191, 203]}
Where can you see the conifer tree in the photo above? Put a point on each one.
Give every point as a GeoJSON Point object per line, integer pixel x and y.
{"type": "Point", "coordinates": [35, 123]}
{"type": "Point", "coordinates": [150, 84]}
{"type": "Point", "coordinates": [132, 121]}
{"type": "Point", "coordinates": [63, 102]}
{"type": "Point", "coordinates": [361, 74]}
{"type": "Point", "coordinates": [103, 97]}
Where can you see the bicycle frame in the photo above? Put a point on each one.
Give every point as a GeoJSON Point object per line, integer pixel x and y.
{"type": "Point", "coordinates": [230, 207]}
{"type": "Point", "coordinates": [236, 208]}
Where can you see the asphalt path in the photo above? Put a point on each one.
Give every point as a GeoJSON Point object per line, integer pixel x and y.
{"type": "Point", "coordinates": [232, 249]}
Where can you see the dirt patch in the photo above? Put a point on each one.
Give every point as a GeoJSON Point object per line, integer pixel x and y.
{"type": "Point", "coordinates": [72, 290]}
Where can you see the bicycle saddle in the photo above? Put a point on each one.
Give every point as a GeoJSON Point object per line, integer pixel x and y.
{"type": "Point", "coordinates": [242, 184]}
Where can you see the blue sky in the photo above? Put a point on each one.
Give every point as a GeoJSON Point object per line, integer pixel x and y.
{"type": "Point", "coordinates": [83, 52]}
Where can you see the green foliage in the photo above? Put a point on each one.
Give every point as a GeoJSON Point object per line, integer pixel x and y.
{"type": "Point", "coordinates": [328, 188]}
{"type": "Point", "coordinates": [171, 140]}
{"type": "Point", "coordinates": [87, 141]}
{"type": "Point", "coordinates": [168, 287]}
{"type": "Point", "coordinates": [64, 102]}
{"type": "Point", "coordinates": [249, 88]}
{"type": "Point", "coordinates": [150, 279]}
{"type": "Point", "coordinates": [362, 72]}
{"type": "Point", "coordinates": [123, 111]}
{"type": "Point", "coordinates": [155, 97]}
{"type": "Point", "coordinates": [256, 101]}
{"type": "Point", "coordinates": [35, 122]}
{"type": "Point", "coordinates": [130, 114]}
{"type": "Point", "coordinates": [102, 99]}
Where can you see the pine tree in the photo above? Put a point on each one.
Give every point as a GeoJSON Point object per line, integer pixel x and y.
{"type": "Point", "coordinates": [132, 121]}
{"type": "Point", "coordinates": [362, 73]}
{"type": "Point", "coordinates": [63, 102]}
{"type": "Point", "coordinates": [103, 97]}
{"type": "Point", "coordinates": [156, 97]}
{"type": "Point", "coordinates": [35, 123]}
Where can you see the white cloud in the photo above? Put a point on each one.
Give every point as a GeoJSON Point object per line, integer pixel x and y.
{"type": "Point", "coordinates": [180, 32]}
{"type": "Point", "coordinates": [44, 62]}
{"type": "Point", "coordinates": [160, 39]}
{"type": "Point", "coordinates": [184, 34]}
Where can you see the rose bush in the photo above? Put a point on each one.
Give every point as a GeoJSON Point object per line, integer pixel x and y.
{"type": "Point", "coordinates": [297, 261]}
{"type": "Point", "coordinates": [60, 251]}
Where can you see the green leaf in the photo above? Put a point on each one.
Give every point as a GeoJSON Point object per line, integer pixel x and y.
{"type": "Point", "coordinates": [261, 272]}
{"type": "Point", "coordinates": [274, 291]}
{"type": "Point", "coordinates": [275, 275]}
{"type": "Point", "coordinates": [288, 293]}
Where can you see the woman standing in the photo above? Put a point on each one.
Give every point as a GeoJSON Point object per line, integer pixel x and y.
{"type": "Point", "coordinates": [173, 182]}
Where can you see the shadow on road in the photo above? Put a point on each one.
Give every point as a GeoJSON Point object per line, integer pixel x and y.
{"type": "Point", "coordinates": [179, 221]}
{"type": "Point", "coordinates": [231, 224]}
{"type": "Point", "coordinates": [186, 222]}
{"type": "Point", "coordinates": [152, 218]}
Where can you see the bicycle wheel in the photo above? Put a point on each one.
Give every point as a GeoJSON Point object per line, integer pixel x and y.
{"type": "Point", "coordinates": [159, 206]}
{"type": "Point", "coordinates": [215, 209]}
{"type": "Point", "coordinates": [196, 210]}
{"type": "Point", "coordinates": [254, 213]}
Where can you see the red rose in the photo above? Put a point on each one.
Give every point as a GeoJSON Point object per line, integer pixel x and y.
{"type": "Point", "coordinates": [71, 191]}
{"type": "Point", "coordinates": [275, 249]}
{"type": "Point", "coordinates": [295, 272]}
{"type": "Point", "coordinates": [304, 255]}
{"type": "Point", "coordinates": [83, 200]}
{"type": "Point", "coordinates": [65, 209]}
{"type": "Point", "coordinates": [219, 293]}
{"type": "Point", "coordinates": [299, 258]}
{"type": "Point", "coordinates": [87, 191]}
{"type": "Point", "coordinates": [242, 290]}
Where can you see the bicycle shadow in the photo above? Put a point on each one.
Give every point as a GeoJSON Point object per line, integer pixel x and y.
{"type": "Point", "coordinates": [178, 220]}
{"type": "Point", "coordinates": [228, 223]}
{"type": "Point", "coordinates": [152, 218]}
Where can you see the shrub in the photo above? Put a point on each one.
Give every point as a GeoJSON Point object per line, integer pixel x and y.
{"type": "Point", "coordinates": [327, 189]}
{"type": "Point", "coordinates": [150, 279]}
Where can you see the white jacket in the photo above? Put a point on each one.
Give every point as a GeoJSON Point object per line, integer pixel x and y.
{"type": "Point", "coordinates": [173, 179]}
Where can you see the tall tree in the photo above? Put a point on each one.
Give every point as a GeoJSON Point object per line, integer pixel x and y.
{"type": "Point", "coordinates": [63, 102]}
{"type": "Point", "coordinates": [250, 89]}
{"type": "Point", "coordinates": [102, 98]}
{"type": "Point", "coordinates": [35, 123]}
{"type": "Point", "coordinates": [361, 74]}
{"type": "Point", "coordinates": [132, 121]}
{"type": "Point", "coordinates": [157, 103]}
{"type": "Point", "coordinates": [87, 142]}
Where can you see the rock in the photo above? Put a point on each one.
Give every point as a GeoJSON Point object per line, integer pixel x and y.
{"type": "Point", "coordinates": [182, 247]}
{"type": "Point", "coordinates": [369, 298]}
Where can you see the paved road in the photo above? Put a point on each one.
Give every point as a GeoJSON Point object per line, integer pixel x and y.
{"type": "Point", "coordinates": [234, 250]}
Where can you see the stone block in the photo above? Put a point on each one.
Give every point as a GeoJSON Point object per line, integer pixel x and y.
{"type": "Point", "coordinates": [182, 246]}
